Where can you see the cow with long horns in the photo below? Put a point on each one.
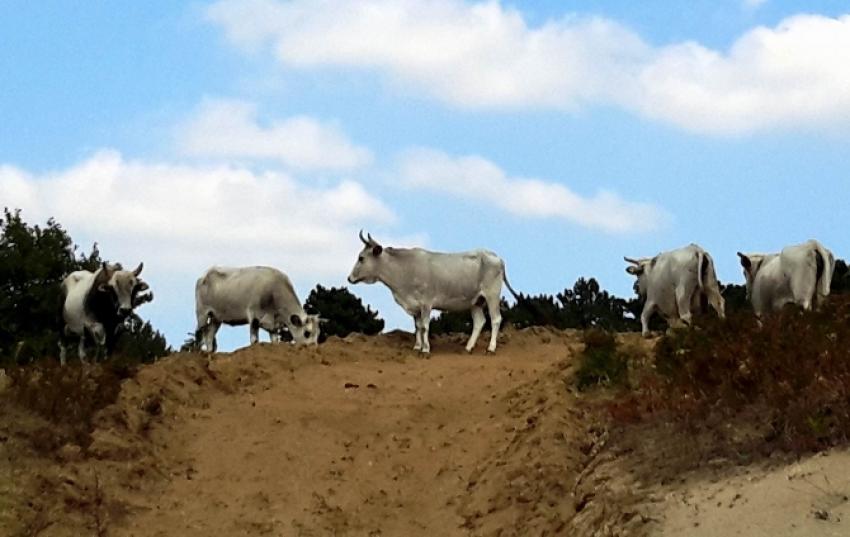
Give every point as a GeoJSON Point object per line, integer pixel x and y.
{"type": "Point", "coordinates": [96, 303]}
{"type": "Point", "coordinates": [422, 281]}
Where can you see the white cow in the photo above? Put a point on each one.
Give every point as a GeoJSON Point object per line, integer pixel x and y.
{"type": "Point", "coordinates": [261, 297]}
{"type": "Point", "coordinates": [799, 274]}
{"type": "Point", "coordinates": [96, 303]}
{"type": "Point", "coordinates": [422, 281]}
{"type": "Point", "coordinates": [674, 283]}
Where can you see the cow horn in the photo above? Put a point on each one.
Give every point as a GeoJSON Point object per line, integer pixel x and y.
{"type": "Point", "coordinates": [362, 239]}
{"type": "Point", "coordinates": [632, 261]}
{"type": "Point", "coordinates": [372, 241]}
{"type": "Point", "coordinates": [139, 269]}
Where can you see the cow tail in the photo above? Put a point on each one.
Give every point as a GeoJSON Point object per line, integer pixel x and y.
{"type": "Point", "coordinates": [826, 266]}
{"type": "Point", "coordinates": [507, 283]}
{"type": "Point", "coordinates": [701, 258]}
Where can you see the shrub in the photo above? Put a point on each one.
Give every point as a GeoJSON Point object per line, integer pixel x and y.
{"type": "Point", "coordinates": [601, 363]}
{"type": "Point", "coordinates": [344, 313]}
{"type": "Point", "coordinates": [794, 372]}
{"type": "Point", "coordinates": [68, 396]}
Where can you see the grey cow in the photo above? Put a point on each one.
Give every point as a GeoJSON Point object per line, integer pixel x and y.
{"type": "Point", "coordinates": [261, 297]}
{"type": "Point", "coordinates": [422, 281]}
{"type": "Point", "coordinates": [800, 274]}
{"type": "Point", "coordinates": [674, 283]}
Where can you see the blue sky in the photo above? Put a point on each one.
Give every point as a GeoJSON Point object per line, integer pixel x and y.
{"type": "Point", "coordinates": [562, 135]}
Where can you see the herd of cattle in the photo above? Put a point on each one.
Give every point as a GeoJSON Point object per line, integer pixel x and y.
{"type": "Point", "coordinates": [676, 284]}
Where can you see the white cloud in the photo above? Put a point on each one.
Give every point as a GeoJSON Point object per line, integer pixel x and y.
{"type": "Point", "coordinates": [468, 54]}
{"type": "Point", "coordinates": [797, 73]}
{"type": "Point", "coordinates": [478, 179]}
{"type": "Point", "coordinates": [230, 129]}
{"type": "Point", "coordinates": [486, 55]}
{"type": "Point", "coordinates": [183, 219]}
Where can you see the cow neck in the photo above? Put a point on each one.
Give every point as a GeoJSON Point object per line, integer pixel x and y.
{"type": "Point", "coordinates": [394, 277]}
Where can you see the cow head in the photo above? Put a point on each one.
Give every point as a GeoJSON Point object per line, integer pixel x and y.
{"type": "Point", "coordinates": [751, 264]}
{"type": "Point", "coordinates": [367, 267]}
{"type": "Point", "coordinates": [124, 285]}
{"type": "Point", "coordinates": [639, 268]}
{"type": "Point", "coordinates": [304, 328]}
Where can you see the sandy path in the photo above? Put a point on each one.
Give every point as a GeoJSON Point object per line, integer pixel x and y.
{"type": "Point", "coordinates": [299, 453]}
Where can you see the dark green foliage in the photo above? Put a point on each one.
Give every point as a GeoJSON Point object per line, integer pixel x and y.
{"type": "Point", "coordinates": [840, 278]}
{"type": "Point", "coordinates": [586, 306]}
{"type": "Point", "coordinates": [794, 372]}
{"type": "Point", "coordinates": [601, 363]}
{"type": "Point", "coordinates": [344, 313]}
{"type": "Point", "coordinates": [535, 310]}
{"type": "Point", "coordinates": [139, 342]}
{"type": "Point", "coordinates": [33, 262]}
{"type": "Point", "coordinates": [735, 297]}
{"type": "Point", "coordinates": [583, 306]}
{"type": "Point", "coordinates": [190, 344]}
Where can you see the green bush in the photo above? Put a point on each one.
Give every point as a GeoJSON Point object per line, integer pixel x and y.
{"type": "Point", "coordinates": [601, 362]}
{"type": "Point", "coordinates": [344, 312]}
{"type": "Point", "coordinates": [33, 262]}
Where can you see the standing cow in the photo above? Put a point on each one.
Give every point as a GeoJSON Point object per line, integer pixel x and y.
{"type": "Point", "coordinates": [261, 297]}
{"type": "Point", "coordinates": [674, 283]}
{"type": "Point", "coordinates": [422, 281]}
{"type": "Point", "coordinates": [96, 303]}
{"type": "Point", "coordinates": [800, 274]}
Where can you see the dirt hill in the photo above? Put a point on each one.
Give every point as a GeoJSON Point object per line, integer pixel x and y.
{"type": "Point", "coordinates": [362, 437]}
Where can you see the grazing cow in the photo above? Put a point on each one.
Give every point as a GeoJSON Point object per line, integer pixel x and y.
{"type": "Point", "coordinates": [96, 304]}
{"type": "Point", "coordinates": [675, 283]}
{"type": "Point", "coordinates": [421, 281]}
{"type": "Point", "coordinates": [261, 297]}
{"type": "Point", "coordinates": [799, 274]}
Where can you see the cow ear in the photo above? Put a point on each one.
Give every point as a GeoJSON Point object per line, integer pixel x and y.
{"type": "Point", "coordinates": [634, 271]}
{"type": "Point", "coordinates": [295, 320]}
{"type": "Point", "coordinates": [377, 249]}
{"type": "Point", "coordinates": [745, 261]}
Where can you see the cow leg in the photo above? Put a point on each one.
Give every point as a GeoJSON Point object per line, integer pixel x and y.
{"type": "Point", "coordinates": [804, 288]}
{"type": "Point", "coordinates": [208, 332]}
{"type": "Point", "coordinates": [255, 330]}
{"type": "Point", "coordinates": [417, 345]}
{"type": "Point", "coordinates": [493, 308]}
{"type": "Point", "coordinates": [478, 320]}
{"type": "Point", "coordinates": [98, 333]}
{"type": "Point", "coordinates": [645, 316]}
{"type": "Point", "coordinates": [683, 303]}
{"type": "Point", "coordinates": [423, 322]}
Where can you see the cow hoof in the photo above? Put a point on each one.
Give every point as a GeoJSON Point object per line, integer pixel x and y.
{"type": "Point", "coordinates": [647, 335]}
{"type": "Point", "coordinates": [490, 352]}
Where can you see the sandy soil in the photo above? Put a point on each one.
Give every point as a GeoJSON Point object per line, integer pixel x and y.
{"type": "Point", "coordinates": [362, 437]}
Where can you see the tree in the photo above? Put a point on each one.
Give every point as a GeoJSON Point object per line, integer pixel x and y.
{"type": "Point", "coordinates": [33, 262]}
{"type": "Point", "coordinates": [840, 278]}
{"type": "Point", "coordinates": [736, 297]}
{"type": "Point", "coordinates": [586, 305]}
{"type": "Point", "coordinates": [344, 313]}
